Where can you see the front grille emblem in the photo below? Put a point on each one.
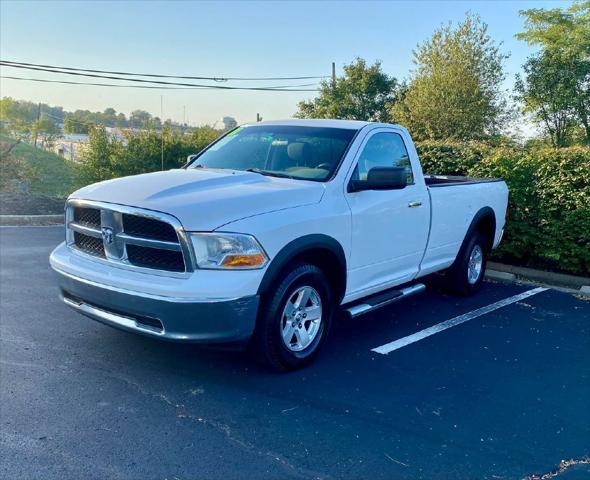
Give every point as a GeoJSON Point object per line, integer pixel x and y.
{"type": "Point", "coordinates": [108, 236]}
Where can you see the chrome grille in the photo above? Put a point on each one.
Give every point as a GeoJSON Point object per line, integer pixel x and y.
{"type": "Point", "coordinates": [128, 236]}
{"type": "Point", "coordinates": [89, 217]}
{"type": "Point", "coordinates": [149, 228]}
{"type": "Point", "coordinates": [88, 244]}
{"type": "Point", "coordinates": [155, 258]}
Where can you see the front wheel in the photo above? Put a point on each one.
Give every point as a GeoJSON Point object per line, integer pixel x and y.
{"type": "Point", "coordinates": [294, 319]}
{"type": "Point", "coordinates": [466, 275]}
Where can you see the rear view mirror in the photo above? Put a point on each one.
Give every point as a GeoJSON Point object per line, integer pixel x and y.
{"type": "Point", "coordinates": [381, 178]}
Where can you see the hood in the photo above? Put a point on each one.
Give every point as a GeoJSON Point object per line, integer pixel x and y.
{"type": "Point", "coordinates": [205, 199]}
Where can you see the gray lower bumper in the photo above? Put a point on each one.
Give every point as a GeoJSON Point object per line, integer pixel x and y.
{"type": "Point", "coordinates": [225, 321]}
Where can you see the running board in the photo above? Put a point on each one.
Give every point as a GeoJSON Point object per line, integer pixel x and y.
{"type": "Point", "coordinates": [382, 299]}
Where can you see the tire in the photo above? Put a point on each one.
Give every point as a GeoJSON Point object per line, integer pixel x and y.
{"type": "Point", "coordinates": [307, 284]}
{"type": "Point", "coordinates": [466, 274]}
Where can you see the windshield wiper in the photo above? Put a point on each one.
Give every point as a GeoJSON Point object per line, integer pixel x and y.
{"type": "Point", "coordinates": [270, 173]}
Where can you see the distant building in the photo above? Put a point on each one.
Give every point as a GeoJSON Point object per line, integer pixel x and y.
{"type": "Point", "coordinates": [71, 145]}
{"type": "Point", "coordinates": [75, 137]}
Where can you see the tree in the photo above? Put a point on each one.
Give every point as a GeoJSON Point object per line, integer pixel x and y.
{"type": "Point", "coordinates": [81, 121]}
{"type": "Point", "coordinates": [72, 125]}
{"type": "Point", "coordinates": [140, 119]}
{"type": "Point", "coordinates": [107, 156]}
{"type": "Point", "coordinates": [45, 130]}
{"type": "Point", "coordinates": [363, 93]}
{"type": "Point", "coordinates": [564, 31]}
{"type": "Point", "coordinates": [17, 116]}
{"type": "Point", "coordinates": [229, 123]}
{"type": "Point", "coordinates": [201, 137]}
{"type": "Point", "coordinates": [99, 157]}
{"type": "Point", "coordinates": [121, 120]}
{"type": "Point", "coordinates": [556, 88]}
{"type": "Point", "coordinates": [547, 92]}
{"type": "Point", "coordinates": [454, 91]}
{"type": "Point", "coordinates": [109, 117]}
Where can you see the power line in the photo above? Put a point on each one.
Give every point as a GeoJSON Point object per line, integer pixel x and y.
{"type": "Point", "coordinates": [216, 79]}
{"type": "Point", "coordinates": [187, 86]}
{"type": "Point", "coordinates": [161, 82]}
{"type": "Point", "coordinates": [66, 82]}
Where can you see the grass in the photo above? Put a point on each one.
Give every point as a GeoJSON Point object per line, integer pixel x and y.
{"type": "Point", "coordinates": [53, 176]}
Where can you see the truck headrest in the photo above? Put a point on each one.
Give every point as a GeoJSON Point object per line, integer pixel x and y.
{"type": "Point", "coordinates": [299, 152]}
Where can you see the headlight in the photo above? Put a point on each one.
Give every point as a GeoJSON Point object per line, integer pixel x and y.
{"type": "Point", "coordinates": [227, 251]}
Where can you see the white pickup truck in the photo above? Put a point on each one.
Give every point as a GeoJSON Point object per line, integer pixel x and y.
{"type": "Point", "coordinates": [269, 232]}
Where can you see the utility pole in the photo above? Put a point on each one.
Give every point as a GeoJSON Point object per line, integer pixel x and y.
{"type": "Point", "coordinates": [333, 74]}
{"type": "Point", "coordinates": [38, 118]}
{"type": "Point", "coordinates": [162, 127]}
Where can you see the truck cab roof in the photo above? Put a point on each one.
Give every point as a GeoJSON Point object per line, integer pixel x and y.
{"type": "Point", "coordinates": [326, 123]}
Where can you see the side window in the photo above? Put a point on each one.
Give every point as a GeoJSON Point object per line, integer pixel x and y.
{"type": "Point", "coordinates": [383, 150]}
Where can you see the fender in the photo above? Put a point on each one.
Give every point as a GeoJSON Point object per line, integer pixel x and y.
{"type": "Point", "coordinates": [484, 212]}
{"type": "Point", "coordinates": [300, 246]}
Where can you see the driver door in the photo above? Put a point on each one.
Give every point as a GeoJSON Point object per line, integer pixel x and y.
{"type": "Point", "coordinates": [389, 227]}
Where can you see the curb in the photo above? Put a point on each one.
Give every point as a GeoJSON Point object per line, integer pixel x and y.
{"type": "Point", "coordinates": [501, 276]}
{"type": "Point", "coordinates": [560, 281]}
{"type": "Point", "coordinates": [30, 220]}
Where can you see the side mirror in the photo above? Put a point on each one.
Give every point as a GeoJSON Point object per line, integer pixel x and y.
{"type": "Point", "coordinates": [190, 158]}
{"type": "Point", "coordinates": [381, 178]}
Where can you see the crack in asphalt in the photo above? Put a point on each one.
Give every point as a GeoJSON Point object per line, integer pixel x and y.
{"type": "Point", "coordinates": [224, 429]}
{"type": "Point", "coordinates": [561, 468]}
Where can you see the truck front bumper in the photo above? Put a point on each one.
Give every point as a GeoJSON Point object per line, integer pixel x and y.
{"type": "Point", "coordinates": [168, 318]}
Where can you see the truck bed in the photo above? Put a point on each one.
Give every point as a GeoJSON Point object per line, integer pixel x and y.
{"type": "Point", "coordinates": [452, 210]}
{"type": "Point", "coordinates": [450, 180]}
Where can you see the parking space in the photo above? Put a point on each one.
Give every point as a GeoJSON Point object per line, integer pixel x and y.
{"type": "Point", "coordinates": [501, 395]}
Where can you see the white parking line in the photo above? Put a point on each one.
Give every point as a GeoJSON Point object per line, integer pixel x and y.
{"type": "Point", "coordinates": [427, 332]}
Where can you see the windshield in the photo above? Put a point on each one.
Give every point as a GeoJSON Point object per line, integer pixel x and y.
{"type": "Point", "coordinates": [307, 153]}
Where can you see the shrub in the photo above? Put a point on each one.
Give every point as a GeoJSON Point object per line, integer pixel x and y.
{"type": "Point", "coordinates": [563, 192]}
{"type": "Point", "coordinates": [107, 157]}
{"type": "Point", "coordinates": [522, 233]}
{"type": "Point", "coordinates": [549, 202]}
{"type": "Point", "coordinates": [450, 157]}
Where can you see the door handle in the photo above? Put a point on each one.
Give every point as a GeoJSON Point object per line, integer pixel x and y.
{"type": "Point", "coordinates": [414, 204]}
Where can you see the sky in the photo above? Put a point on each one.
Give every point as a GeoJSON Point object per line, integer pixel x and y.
{"type": "Point", "coordinates": [240, 39]}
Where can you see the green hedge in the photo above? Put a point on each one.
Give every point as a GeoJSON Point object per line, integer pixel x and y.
{"type": "Point", "coordinates": [451, 158]}
{"type": "Point", "coordinates": [549, 224]}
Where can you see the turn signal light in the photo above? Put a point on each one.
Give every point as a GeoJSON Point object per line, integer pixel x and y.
{"type": "Point", "coordinates": [237, 261]}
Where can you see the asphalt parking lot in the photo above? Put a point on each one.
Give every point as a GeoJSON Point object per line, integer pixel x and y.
{"type": "Point", "coordinates": [502, 396]}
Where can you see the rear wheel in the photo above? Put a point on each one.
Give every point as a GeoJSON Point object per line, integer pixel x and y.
{"type": "Point", "coordinates": [467, 272]}
{"type": "Point", "coordinates": [294, 319]}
